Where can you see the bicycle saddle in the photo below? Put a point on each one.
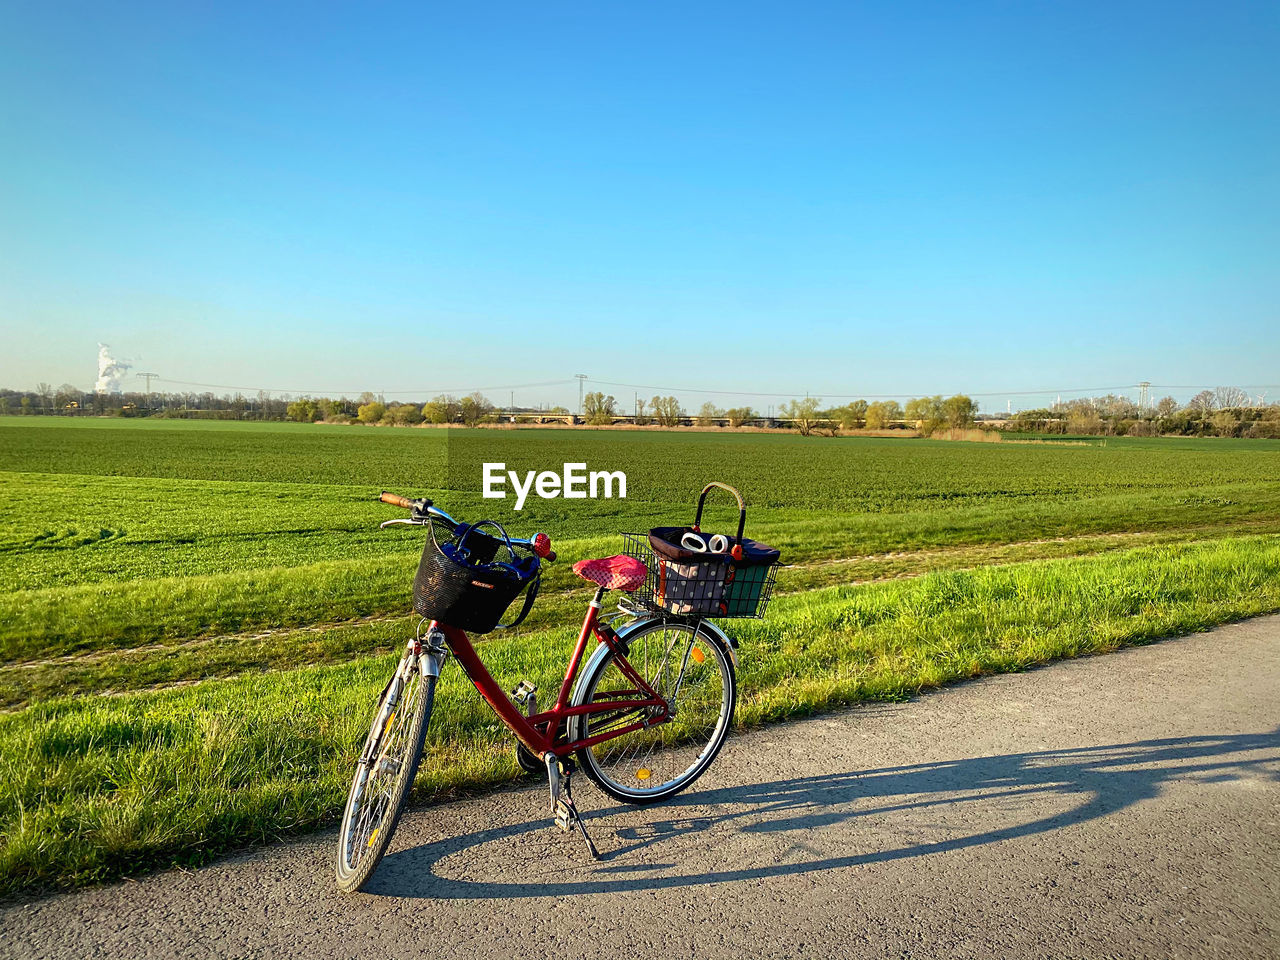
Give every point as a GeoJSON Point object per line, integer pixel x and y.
{"type": "Point", "coordinates": [613, 573]}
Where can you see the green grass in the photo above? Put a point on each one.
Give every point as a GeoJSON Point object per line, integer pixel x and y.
{"type": "Point", "coordinates": [228, 585]}
{"type": "Point", "coordinates": [120, 533]}
{"type": "Point", "coordinates": [103, 787]}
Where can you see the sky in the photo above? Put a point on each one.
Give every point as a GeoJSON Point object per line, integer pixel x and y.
{"type": "Point", "coordinates": [765, 199]}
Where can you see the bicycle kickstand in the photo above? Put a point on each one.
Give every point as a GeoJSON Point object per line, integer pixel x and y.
{"type": "Point", "coordinates": [563, 809]}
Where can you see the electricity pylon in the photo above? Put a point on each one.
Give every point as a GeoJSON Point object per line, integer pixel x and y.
{"type": "Point", "coordinates": [149, 377]}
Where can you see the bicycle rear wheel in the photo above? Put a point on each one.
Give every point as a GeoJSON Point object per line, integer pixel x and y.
{"type": "Point", "coordinates": [693, 671]}
{"type": "Point", "coordinates": [384, 773]}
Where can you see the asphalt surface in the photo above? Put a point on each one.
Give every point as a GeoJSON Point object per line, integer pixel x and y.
{"type": "Point", "coordinates": [1118, 806]}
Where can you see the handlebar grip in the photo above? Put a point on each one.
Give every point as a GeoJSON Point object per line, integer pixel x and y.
{"type": "Point", "coordinates": [550, 557]}
{"type": "Point", "coordinates": [396, 500]}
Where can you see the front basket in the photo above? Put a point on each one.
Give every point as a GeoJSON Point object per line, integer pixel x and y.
{"type": "Point", "coordinates": [462, 596]}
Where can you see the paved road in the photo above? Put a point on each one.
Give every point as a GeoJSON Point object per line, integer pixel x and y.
{"type": "Point", "coordinates": [1126, 805]}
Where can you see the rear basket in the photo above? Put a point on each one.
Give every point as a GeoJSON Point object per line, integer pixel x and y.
{"type": "Point", "coordinates": [711, 586]}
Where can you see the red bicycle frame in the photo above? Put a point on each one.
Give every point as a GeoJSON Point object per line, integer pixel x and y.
{"type": "Point", "coordinates": [538, 732]}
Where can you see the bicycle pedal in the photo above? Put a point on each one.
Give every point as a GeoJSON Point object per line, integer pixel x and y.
{"type": "Point", "coordinates": [524, 694]}
{"type": "Point", "coordinates": [565, 815]}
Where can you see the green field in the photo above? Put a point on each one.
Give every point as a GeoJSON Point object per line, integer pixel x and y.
{"type": "Point", "coordinates": [228, 585]}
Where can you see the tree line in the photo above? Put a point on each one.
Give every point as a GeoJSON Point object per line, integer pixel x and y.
{"type": "Point", "coordinates": [807, 415]}
{"type": "Point", "coordinates": [1224, 411]}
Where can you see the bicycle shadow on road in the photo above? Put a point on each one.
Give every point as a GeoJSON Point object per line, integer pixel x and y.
{"type": "Point", "coordinates": [808, 824]}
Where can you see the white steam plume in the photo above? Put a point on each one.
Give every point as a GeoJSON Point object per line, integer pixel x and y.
{"type": "Point", "coordinates": [111, 372]}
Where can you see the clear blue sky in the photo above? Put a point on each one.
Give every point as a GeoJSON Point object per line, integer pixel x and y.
{"type": "Point", "coordinates": [845, 198]}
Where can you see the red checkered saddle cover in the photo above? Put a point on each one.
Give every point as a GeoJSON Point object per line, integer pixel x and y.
{"type": "Point", "coordinates": [613, 573]}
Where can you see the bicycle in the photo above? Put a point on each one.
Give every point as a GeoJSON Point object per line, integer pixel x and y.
{"type": "Point", "coordinates": [644, 716]}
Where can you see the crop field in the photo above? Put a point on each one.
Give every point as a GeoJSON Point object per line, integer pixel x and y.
{"type": "Point", "coordinates": [198, 615]}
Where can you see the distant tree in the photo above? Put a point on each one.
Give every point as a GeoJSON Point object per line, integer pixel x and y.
{"type": "Point", "coordinates": [1203, 402]}
{"type": "Point", "coordinates": [474, 409]}
{"type": "Point", "coordinates": [1265, 430]}
{"type": "Point", "coordinates": [1226, 398]}
{"type": "Point", "coordinates": [367, 397]}
{"type": "Point", "coordinates": [708, 415]}
{"type": "Point", "coordinates": [25, 403]}
{"type": "Point", "coordinates": [66, 397]}
{"type": "Point", "coordinates": [335, 410]}
{"type": "Point", "coordinates": [1225, 423]}
{"type": "Point", "coordinates": [371, 412]}
{"type": "Point", "coordinates": [642, 417]}
{"type": "Point", "coordinates": [850, 416]}
{"type": "Point", "coordinates": [804, 413]}
{"type": "Point", "coordinates": [443, 409]}
{"type": "Point", "coordinates": [46, 395]}
{"type": "Point", "coordinates": [1084, 418]}
{"type": "Point", "coordinates": [928, 413]}
{"type": "Point", "coordinates": [959, 411]}
{"type": "Point", "coordinates": [737, 416]}
{"type": "Point", "coordinates": [1166, 407]}
{"type": "Point", "coordinates": [559, 411]}
{"type": "Point", "coordinates": [598, 409]}
{"type": "Point", "coordinates": [1115, 407]}
{"type": "Point", "coordinates": [882, 414]}
{"type": "Point", "coordinates": [666, 411]}
{"type": "Point", "coordinates": [404, 414]}
{"type": "Point", "coordinates": [302, 411]}
{"type": "Point", "coordinates": [4, 406]}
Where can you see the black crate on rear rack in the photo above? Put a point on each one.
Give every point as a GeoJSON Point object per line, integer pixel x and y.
{"type": "Point", "coordinates": [693, 584]}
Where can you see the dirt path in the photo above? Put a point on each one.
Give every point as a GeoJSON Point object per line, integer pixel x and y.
{"type": "Point", "coordinates": [1124, 805]}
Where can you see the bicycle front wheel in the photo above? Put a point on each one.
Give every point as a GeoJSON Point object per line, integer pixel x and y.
{"type": "Point", "coordinates": [689, 668]}
{"type": "Point", "coordinates": [384, 773]}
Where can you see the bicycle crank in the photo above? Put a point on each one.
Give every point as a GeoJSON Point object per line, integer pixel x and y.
{"type": "Point", "coordinates": [559, 776]}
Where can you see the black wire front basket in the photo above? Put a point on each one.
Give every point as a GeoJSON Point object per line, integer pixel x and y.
{"type": "Point", "coordinates": [712, 585]}
{"type": "Point", "coordinates": [457, 585]}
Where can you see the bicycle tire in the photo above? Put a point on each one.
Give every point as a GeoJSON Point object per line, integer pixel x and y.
{"type": "Point", "coordinates": [643, 753]}
{"type": "Point", "coordinates": [351, 876]}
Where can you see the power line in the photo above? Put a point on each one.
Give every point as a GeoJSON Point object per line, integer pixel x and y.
{"type": "Point", "coordinates": [582, 379]}
{"type": "Point", "coordinates": [420, 391]}
{"type": "Point", "coordinates": [872, 396]}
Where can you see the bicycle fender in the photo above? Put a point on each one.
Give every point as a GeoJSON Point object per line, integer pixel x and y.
{"type": "Point", "coordinates": [730, 643]}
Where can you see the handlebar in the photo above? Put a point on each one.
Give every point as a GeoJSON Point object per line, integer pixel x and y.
{"type": "Point", "coordinates": [422, 511]}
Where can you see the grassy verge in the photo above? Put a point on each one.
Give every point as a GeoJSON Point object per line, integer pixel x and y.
{"type": "Point", "coordinates": [287, 585]}
{"type": "Point", "coordinates": [102, 787]}
{"type": "Point", "coordinates": [176, 660]}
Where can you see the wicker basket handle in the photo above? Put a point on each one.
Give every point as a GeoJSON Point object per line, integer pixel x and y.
{"type": "Point", "coordinates": [742, 507]}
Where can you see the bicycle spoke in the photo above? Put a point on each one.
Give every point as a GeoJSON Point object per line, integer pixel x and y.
{"type": "Point", "coordinates": [698, 690]}
{"type": "Point", "coordinates": [386, 759]}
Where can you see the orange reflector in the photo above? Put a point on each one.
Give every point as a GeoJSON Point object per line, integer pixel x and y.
{"type": "Point", "coordinates": [373, 836]}
{"type": "Point", "coordinates": [698, 655]}
{"type": "Point", "coordinates": [643, 773]}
